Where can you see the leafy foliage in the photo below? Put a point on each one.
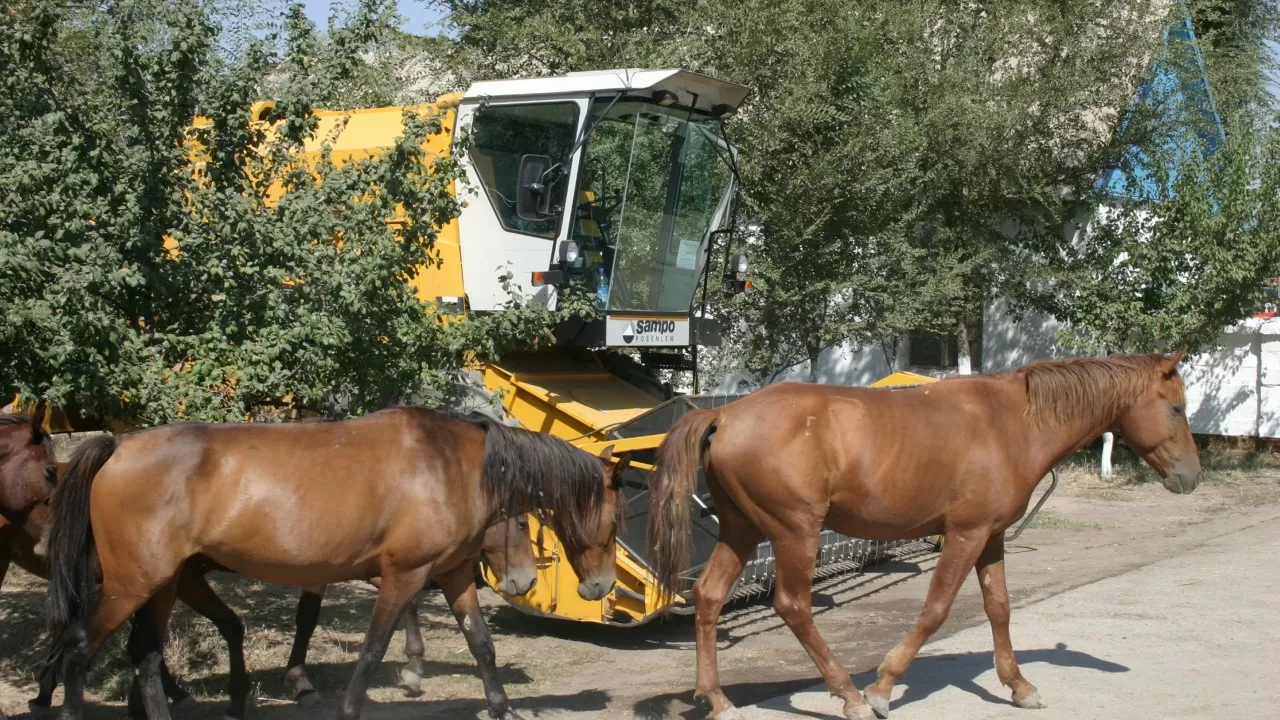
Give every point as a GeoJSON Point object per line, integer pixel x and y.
{"type": "Point", "coordinates": [287, 286]}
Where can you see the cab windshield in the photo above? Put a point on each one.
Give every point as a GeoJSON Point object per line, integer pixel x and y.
{"type": "Point", "coordinates": [654, 182]}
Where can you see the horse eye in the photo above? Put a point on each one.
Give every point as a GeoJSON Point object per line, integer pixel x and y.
{"type": "Point", "coordinates": [51, 475]}
{"type": "Point", "coordinates": [1179, 409]}
{"type": "Point", "coordinates": [522, 523]}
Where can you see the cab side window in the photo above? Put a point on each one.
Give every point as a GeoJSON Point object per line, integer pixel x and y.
{"type": "Point", "coordinates": [502, 135]}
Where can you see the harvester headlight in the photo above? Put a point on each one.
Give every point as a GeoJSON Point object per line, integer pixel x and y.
{"type": "Point", "coordinates": [723, 111]}
{"type": "Point", "coordinates": [569, 251]}
{"type": "Point", "coordinates": [740, 264]}
{"type": "Point", "coordinates": [665, 97]}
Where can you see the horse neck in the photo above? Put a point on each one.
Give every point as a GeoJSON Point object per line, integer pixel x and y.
{"type": "Point", "coordinates": [1051, 442]}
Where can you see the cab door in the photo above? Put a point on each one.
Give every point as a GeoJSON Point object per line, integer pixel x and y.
{"type": "Point", "coordinates": [493, 237]}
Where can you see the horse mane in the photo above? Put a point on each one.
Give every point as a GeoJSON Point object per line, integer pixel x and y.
{"type": "Point", "coordinates": [46, 440]}
{"type": "Point", "coordinates": [525, 470]}
{"type": "Point", "coordinates": [1098, 388]}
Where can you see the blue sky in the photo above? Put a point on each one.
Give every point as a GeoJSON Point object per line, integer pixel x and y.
{"type": "Point", "coordinates": [417, 16]}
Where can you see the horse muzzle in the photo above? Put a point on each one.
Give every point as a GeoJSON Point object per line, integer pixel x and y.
{"type": "Point", "coordinates": [1182, 481]}
{"type": "Point", "coordinates": [597, 588]}
{"type": "Point", "coordinates": [518, 584]}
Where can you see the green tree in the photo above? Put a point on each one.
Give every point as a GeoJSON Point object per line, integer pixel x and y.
{"type": "Point", "coordinates": [260, 308]}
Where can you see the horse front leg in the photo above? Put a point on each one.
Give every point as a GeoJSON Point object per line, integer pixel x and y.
{"type": "Point", "coordinates": [995, 598]}
{"type": "Point", "coordinates": [960, 550]}
{"type": "Point", "coordinates": [459, 587]}
{"type": "Point", "coordinates": [397, 590]}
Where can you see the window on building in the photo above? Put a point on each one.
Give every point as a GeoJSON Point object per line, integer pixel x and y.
{"type": "Point", "coordinates": [941, 352]}
{"type": "Point", "coordinates": [502, 136]}
{"type": "Point", "coordinates": [933, 351]}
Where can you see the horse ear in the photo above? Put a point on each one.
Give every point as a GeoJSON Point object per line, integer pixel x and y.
{"type": "Point", "coordinates": [37, 421]}
{"type": "Point", "coordinates": [1171, 362]}
{"type": "Point", "coordinates": [607, 454]}
{"type": "Point", "coordinates": [619, 467]}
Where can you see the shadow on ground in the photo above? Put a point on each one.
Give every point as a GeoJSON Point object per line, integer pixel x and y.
{"type": "Point", "coordinates": [926, 676]}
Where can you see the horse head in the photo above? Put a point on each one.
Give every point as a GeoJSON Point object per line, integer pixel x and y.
{"type": "Point", "coordinates": [508, 551]}
{"type": "Point", "coordinates": [1156, 427]}
{"type": "Point", "coordinates": [27, 468]}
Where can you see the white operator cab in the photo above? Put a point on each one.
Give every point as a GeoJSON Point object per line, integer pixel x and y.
{"type": "Point", "coordinates": [612, 180]}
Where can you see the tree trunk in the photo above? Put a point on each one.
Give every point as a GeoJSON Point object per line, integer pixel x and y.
{"type": "Point", "coordinates": [814, 354]}
{"type": "Point", "coordinates": [964, 364]}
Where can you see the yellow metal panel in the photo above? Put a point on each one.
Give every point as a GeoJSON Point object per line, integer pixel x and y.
{"type": "Point", "coordinates": [903, 378]}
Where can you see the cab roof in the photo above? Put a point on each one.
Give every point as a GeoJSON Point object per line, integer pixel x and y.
{"type": "Point", "coordinates": [693, 89]}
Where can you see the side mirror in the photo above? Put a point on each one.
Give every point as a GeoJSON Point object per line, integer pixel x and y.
{"type": "Point", "coordinates": [533, 198]}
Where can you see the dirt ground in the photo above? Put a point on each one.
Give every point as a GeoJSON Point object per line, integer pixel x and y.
{"type": "Point", "coordinates": [1089, 530]}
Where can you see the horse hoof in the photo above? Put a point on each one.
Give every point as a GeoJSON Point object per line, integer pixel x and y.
{"type": "Point", "coordinates": [410, 681]}
{"type": "Point", "coordinates": [40, 712]}
{"type": "Point", "coordinates": [879, 705]}
{"type": "Point", "coordinates": [859, 710]}
{"type": "Point", "coordinates": [185, 705]}
{"type": "Point", "coordinates": [1030, 701]}
{"type": "Point", "coordinates": [308, 698]}
{"type": "Point", "coordinates": [729, 713]}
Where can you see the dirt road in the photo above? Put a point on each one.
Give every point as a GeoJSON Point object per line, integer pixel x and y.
{"type": "Point", "coordinates": [1192, 636]}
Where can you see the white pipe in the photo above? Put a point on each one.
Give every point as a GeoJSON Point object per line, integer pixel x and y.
{"type": "Point", "coordinates": [1108, 442]}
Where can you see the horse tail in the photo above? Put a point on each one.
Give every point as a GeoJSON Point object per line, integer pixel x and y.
{"type": "Point", "coordinates": [669, 532]}
{"type": "Point", "coordinates": [72, 557]}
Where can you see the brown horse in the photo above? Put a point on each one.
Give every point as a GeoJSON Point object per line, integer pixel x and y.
{"type": "Point", "coordinates": [403, 494]}
{"type": "Point", "coordinates": [960, 457]}
{"type": "Point", "coordinates": [26, 464]}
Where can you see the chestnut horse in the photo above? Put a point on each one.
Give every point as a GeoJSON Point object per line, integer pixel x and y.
{"type": "Point", "coordinates": [959, 458]}
{"type": "Point", "coordinates": [28, 473]}
{"type": "Point", "coordinates": [404, 495]}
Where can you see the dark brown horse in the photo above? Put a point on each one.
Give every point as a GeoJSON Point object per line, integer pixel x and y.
{"type": "Point", "coordinates": [26, 464]}
{"type": "Point", "coordinates": [960, 458]}
{"type": "Point", "coordinates": [403, 495]}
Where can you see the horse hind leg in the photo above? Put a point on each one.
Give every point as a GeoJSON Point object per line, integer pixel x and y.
{"type": "Point", "coordinates": [115, 607]}
{"type": "Point", "coordinates": [995, 598]}
{"type": "Point", "coordinates": [793, 601]}
{"type": "Point", "coordinates": [182, 700]}
{"type": "Point", "coordinates": [146, 651]}
{"type": "Point", "coordinates": [960, 550]}
{"type": "Point", "coordinates": [738, 538]}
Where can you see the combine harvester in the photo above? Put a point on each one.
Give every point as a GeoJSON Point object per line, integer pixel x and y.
{"type": "Point", "coordinates": [619, 180]}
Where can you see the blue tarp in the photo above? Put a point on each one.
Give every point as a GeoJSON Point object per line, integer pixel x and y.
{"type": "Point", "coordinates": [1178, 98]}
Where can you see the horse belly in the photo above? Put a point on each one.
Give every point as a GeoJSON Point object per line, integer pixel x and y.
{"type": "Point", "coordinates": [290, 572]}
{"type": "Point", "coordinates": [882, 508]}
